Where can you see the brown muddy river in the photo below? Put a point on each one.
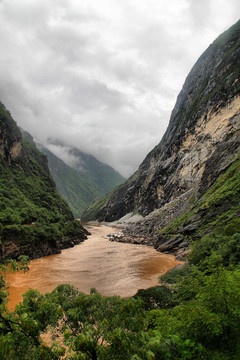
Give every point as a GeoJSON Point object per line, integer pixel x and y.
{"type": "Point", "coordinates": [112, 268]}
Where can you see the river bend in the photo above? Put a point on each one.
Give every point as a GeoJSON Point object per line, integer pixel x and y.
{"type": "Point", "coordinates": [112, 268]}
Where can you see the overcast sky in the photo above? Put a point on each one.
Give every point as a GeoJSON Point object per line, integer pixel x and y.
{"type": "Point", "coordinates": [103, 76]}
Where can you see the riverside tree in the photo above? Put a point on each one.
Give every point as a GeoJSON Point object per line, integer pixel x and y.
{"type": "Point", "coordinates": [197, 318]}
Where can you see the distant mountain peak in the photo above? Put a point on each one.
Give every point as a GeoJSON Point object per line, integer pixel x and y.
{"type": "Point", "coordinates": [80, 178]}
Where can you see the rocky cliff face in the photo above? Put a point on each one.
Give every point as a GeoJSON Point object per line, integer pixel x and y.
{"type": "Point", "coordinates": [201, 140]}
{"type": "Point", "coordinates": [10, 136]}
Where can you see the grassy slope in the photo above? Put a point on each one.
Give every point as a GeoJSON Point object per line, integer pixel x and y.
{"type": "Point", "coordinates": [71, 184]}
{"type": "Point", "coordinates": [98, 174]}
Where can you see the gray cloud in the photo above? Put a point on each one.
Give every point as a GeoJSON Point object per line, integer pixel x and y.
{"type": "Point", "coordinates": [102, 77]}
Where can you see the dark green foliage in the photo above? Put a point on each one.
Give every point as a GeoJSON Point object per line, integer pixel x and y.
{"type": "Point", "coordinates": [31, 211]}
{"type": "Point", "coordinates": [29, 235]}
{"type": "Point", "coordinates": [28, 192]}
{"type": "Point", "coordinates": [175, 274]}
{"type": "Point", "coordinates": [157, 297]}
{"type": "Point", "coordinates": [220, 211]}
{"type": "Point", "coordinates": [232, 227]}
{"type": "Point", "coordinates": [102, 327]}
{"type": "Point", "coordinates": [91, 326]}
{"type": "Point", "coordinates": [224, 249]}
{"type": "Point", "coordinates": [208, 312]}
{"type": "Point", "coordinates": [202, 323]}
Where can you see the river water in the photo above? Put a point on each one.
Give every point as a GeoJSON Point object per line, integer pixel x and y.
{"type": "Point", "coordinates": [112, 268]}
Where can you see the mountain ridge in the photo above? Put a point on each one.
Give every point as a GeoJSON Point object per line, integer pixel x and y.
{"type": "Point", "coordinates": [70, 184]}
{"type": "Point", "coordinates": [83, 180]}
{"type": "Point", "coordinates": [200, 141]}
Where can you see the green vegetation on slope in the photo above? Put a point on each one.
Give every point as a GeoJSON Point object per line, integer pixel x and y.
{"type": "Point", "coordinates": [216, 218]}
{"type": "Point", "coordinates": [28, 195]}
{"type": "Point", "coordinates": [31, 210]}
{"type": "Point", "coordinates": [99, 175]}
{"type": "Point", "coordinates": [87, 180]}
{"type": "Point", "coordinates": [91, 212]}
{"type": "Point", "coordinates": [78, 192]}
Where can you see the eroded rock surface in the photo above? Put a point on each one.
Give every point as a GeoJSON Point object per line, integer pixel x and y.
{"type": "Point", "coordinates": [202, 139]}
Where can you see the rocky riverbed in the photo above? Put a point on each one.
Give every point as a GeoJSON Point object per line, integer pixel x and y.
{"type": "Point", "coordinates": [135, 229]}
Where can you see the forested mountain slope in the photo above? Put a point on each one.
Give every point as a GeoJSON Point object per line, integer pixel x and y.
{"type": "Point", "coordinates": [82, 181]}
{"type": "Point", "coordinates": [34, 219]}
{"type": "Point", "coordinates": [100, 175]}
{"type": "Point", "coordinates": [74, 188]}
